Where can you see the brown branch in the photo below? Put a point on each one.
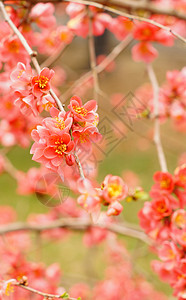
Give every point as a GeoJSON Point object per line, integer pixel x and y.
{"type": "Point", "coordinates": [54, 57]}
{"type": "Point", "coordinates": [101, 67]}
{"type": "Point", "coordinates": [144, 5]}
{"type": "Point", "coordinates": [147, 7]}
{"type": "Point", "coordinates": [77, 224]}
{"type": "Point", "coordinates": [157, 138]}
{"type": "Point", "coordinates": [92, 55]}
{"type": "Point", "coordinates": [129, 16]}
{"type": "Point", "coordinates": [45, 295]}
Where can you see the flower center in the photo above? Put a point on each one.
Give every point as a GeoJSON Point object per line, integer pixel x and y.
{"type": "Point", "coordinates": [83, 137]}
{"type": "Point", "coordinates": [59, 123]}
{"type": "Point", "coordinates": [42, 81]}
{"type": "Point", "coordinates": [60, 148]}
{"type": "Point", "coordinates": [164, 184]}
{"type": "Point", "coordinates": [161, 208]}
{"type": "Point", "coordinates": [9, 289]}
{"type": "Point", "coordinates": [183, 237]}
{"type": "Point", "coordinates": [80, 110]}
{"type": "Point", "coordinates": [182, 178]}
{"type": "Point", "coordinates": [114, 190]}
{"type": "Point", "coordinates": [147, 32]}
{"type": "Point", "coordinates": [13, 47]}
{"type": "Point", "coordinates": [20, 73]}
{"type": "Point", "coordinates": [180, 220]}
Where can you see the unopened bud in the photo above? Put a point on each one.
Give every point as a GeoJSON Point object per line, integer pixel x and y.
{"type": "Point", "coordinates": [70, 159]}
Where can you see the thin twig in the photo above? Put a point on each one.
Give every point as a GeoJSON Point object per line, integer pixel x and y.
{"type": "Point", "coordinates": [8, 167]}
{"type": "Point", "coordinates": [45, 295]}
{"type": "Point", "coordinates": [101, 67]}
{"type": "Point", "coordinates": [157, 138]}
{"type": "Point", "coordinates": [79, 166]}
{"type": "Point", "coordinates": [147, 6]}
{"type": "Point", "coordinates": [77, 224]}
{"type": "Point", "coordinates": [54, 57]}
{"type": "Point", "coordinates": [92, 55]}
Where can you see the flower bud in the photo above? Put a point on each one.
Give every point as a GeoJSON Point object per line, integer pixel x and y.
{"type": "Point", "coordinates": [70, 159]}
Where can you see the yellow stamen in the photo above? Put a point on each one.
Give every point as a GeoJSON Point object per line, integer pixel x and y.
{"type": "Point", "coordinates": [42, 81]}
{"type": "Point", "coordinates": [114, 190]}
{"type": "Point", "coordinates": [80, 110]}
{"type": "Point", "coordinates": [59, 123]}
{"type": "Point", "coordinates": [61, 148]}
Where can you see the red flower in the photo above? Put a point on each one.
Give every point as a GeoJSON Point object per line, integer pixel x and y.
{"type": "Point", "coordinates": [41, 83]}
{"type": "Point", "coordinates": [161, 207]}
{"type": "Point", "coordinates": [164, 184]}
{"type": "Point", "coordinates": [180, 176]}
{"type": "Point", "coordinates": [144, 51]}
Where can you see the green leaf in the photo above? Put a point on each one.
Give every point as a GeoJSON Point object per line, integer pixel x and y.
{"type": "Point", "coordinates": [65, 295]}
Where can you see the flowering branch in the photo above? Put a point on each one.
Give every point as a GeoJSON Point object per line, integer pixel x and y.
{"type": "Point", "coordinates": [144, 5]}
{"type": "Point", "coordinates": [45, 295]}
{"type": "Point", "coordinates": [157, 138]}
{"type": "Point", "coordinates": [36, 65]}
{"type": "Point", "coordinates": [101, 67]}
{"type": "Point", "coordinates": [31, 53]}
{"type": "Point", "coordinates": [77, 224]}
{"type": "Point", "coordinates": [129, 16]}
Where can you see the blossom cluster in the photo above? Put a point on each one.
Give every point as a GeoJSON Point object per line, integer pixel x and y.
{"type": "Point", "coordinates": [64, 133]}
{"type": "Point", "coordinates": [172, 98]}
{"type": "Point", "coordinates": [112, 191]}
{"type": "Point", "coordinates": [31, 92]}
{"type": "Point", "coordinates": [164, 220]}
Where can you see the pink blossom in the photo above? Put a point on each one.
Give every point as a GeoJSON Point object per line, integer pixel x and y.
{"type": "Point", "coordinates": [164, 183]}
{"type": "Point", "coordinates": [144, 51]}
{"type": "Point", "coordinates": [89, 198]}
{"type": "Point", "coordinates": [114, 209]}
{"type": "Point", "coordinates": [179, 219]}
{"type": "Point", "coordinates": [80, 112]}
{"type": "Point", "coordinates": [113, 189]}
{"type": "Point", "coordinates": [60, 122]}
{"type": "Point", "coordinates": [42, 15]}
{"type": "Point", "coordinates": [7, 287]}
{"type": "Point", "coordinates": [121, 27]}
{"type": "Point", "coordinates": [41, 83]}
{"type": "Point", "coordinates": [49, 148]}
{"type": "Point", "coordinates": [85, 136]}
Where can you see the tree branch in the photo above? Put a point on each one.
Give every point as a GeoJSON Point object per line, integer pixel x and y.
{"type": "Point", "coordinates": [147, 7]}
{"type": "Point", "coordinates": [129, 16]}
{"type": "Point", "coordinates": [144, 5]}
{"type": "Point", "coordinates": [45, 295]}
{"type": "Point", "coordinates": [157, 138]}
{"type": "Point", "coordinates": [92, 55]}
{"type": "Point", "coordinates": [77, 224]}
{"type": "Point", "coordinates": [101, 67]}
